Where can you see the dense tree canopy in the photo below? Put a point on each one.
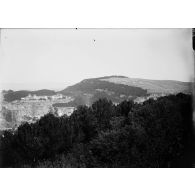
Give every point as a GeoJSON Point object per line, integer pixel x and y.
{"type": "Point", "coordinates": [157, 133]}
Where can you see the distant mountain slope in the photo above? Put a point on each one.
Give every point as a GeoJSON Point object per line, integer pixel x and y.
{"type": "Point", "coordinates": [119, 88]}
{"type": "Point", "coordinates": [10, 95]}
{"type": "Point", "coordinates": [98, 84]}
{"type": "Point", "coordinates": [153, 86]}
{"type": "Point", "coordinates": [115, 88]}
{"type": "Point", "coordinates": [90, 90]}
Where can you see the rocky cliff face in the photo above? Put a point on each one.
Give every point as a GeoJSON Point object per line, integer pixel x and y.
{"type": "Point", "coordinates": [14, 113]}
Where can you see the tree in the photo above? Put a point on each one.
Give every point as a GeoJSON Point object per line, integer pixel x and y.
{"type": "Point", "coordinates": [83, 124]}
{"type": "Point", "coordinates": [125, 107]}
{"type": "Point", "coordinates": [103, 110]}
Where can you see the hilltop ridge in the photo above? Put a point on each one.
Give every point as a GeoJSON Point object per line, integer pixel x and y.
{"type": "Point", "coordinates": [115, 87]}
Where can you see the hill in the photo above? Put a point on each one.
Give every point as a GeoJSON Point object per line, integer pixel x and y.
{"type": "Point", "coordinates": [90, 90]}
{"type": "Point", "coordinates": [153, 86]}
{"type": "Point", "coordinates": [115, 88]}
{"type": "Point", "coordinates": [119, 88]}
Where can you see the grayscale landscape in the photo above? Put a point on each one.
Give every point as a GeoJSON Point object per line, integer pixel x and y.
{"type": "Point", "coordinates": [96, 98]}
{"type": "Point", "coordinates": [28, 106]}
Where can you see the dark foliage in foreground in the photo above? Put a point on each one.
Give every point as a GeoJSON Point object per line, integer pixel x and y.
{"type": "Point", "coordinates": [157, 133]}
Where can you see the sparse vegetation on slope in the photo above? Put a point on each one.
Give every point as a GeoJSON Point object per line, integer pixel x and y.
{"type": "Point", "coordinates": [153, 86]}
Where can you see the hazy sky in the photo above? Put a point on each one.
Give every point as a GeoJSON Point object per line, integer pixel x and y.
{"type": "Point", "coordinates": [55, 58]}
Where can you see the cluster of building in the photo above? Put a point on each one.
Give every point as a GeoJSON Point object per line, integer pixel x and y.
{"type": "Point", "coordinates": [35, 97]}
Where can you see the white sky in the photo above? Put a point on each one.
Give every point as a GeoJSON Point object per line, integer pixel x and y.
{"type": "Point", "coordinates": [55, 58]}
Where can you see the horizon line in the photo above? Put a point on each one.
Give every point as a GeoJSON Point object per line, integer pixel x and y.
{"type": "Point", "coordinates": [67, 84]}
